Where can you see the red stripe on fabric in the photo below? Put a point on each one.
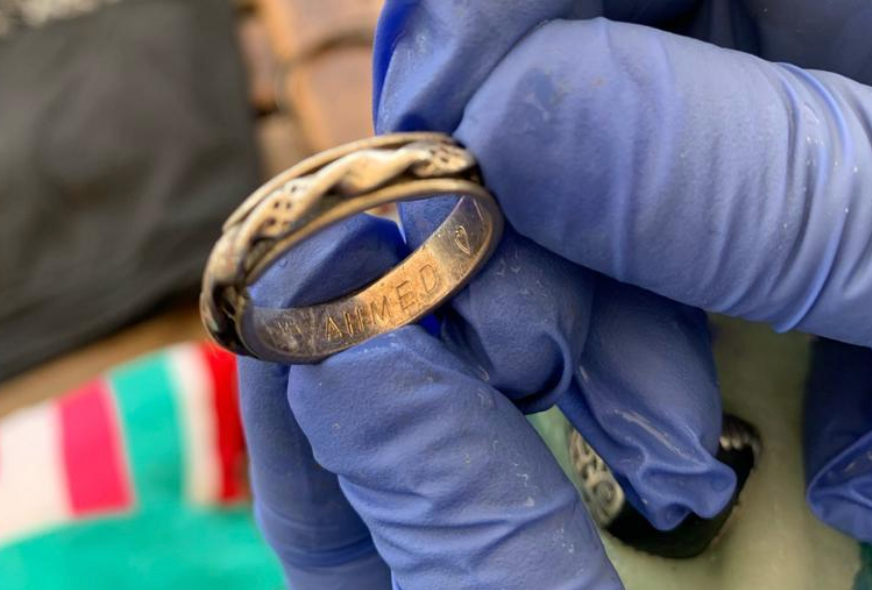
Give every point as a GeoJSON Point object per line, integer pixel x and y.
{"type": "Point", "coordinates": [97, 479]}
{"type": "Point", "coordinates": [230, 442]}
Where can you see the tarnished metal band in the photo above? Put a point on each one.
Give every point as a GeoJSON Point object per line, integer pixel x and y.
{"type": "Point", "coordinates": [320, 192]}
{"type": "Point", "coordinates": [599, 489]}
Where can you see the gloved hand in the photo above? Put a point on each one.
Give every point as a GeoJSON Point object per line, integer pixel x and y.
{"type": "Point", "coordinates": [706, 175]}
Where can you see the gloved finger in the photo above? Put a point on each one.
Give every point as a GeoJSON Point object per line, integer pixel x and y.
{"type": "Point", "coordinates": [708, 176]}
{"type": "Point", "coordinates": [522, 321]}
{"type": "Point", "coordinates": [457, 488]}
{"type": "Point", "coordinates": [647, 400]}
{"type": "Point", "coordinates": [838, 437]}
{"type": "Point", "coordinates": [320, 539]}
{"type": "Point", "coordinates": [432, 55]}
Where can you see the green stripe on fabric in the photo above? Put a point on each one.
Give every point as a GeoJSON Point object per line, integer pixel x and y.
{"type": "Point", "coordinates": [170, 547]}
{"type": "Point", "coordinates": [146, 401]}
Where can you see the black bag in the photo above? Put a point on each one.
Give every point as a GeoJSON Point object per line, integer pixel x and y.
{"type": "Point", "coordinates": [125, 141]}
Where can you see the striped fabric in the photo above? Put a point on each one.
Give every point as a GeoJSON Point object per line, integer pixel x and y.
{"type": "Point", "coordinates": [135, 480]}
{"type": "Point", "coordinates": [166, 426]}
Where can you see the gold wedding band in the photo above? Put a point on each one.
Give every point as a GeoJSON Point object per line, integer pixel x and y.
{"type": "Point", "coordinates": [324, 190]}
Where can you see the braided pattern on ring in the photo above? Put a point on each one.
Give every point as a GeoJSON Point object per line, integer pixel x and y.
{"type": "Point", "coordinates": [602, 493]}
{"type": "Point", "coordinates": [278, 213]}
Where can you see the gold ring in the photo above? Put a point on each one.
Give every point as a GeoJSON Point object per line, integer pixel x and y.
{"type": "Point", "coordinates": [322, 191]}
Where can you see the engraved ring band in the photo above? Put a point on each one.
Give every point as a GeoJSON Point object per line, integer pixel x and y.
{"type": "Point", "coordinates": [324, 190]}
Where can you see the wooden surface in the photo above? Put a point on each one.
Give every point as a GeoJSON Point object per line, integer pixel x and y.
{"type": "Point", "coordinates": [330, 94]}
{"type": "Point", "coordinates": [260, 62]}
{"type": "Point", "coordinates": [55, 377]}
{"type": "Point", "coordinates": [296, 25]}
{"type": "Point", "coordinates": [334, 92]}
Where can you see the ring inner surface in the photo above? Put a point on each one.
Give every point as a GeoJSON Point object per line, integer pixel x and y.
{"type": "Point", "coordinates": [409, 291]}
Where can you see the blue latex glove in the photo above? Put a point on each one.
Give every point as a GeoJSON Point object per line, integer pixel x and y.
{"type": "Point", "coordinates": [708, 176]}
{"type": "Point", "coordinates": [838, 437]}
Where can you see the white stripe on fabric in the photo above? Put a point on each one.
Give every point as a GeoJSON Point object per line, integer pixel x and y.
{"type": "Point", "coordinates": [33, 487]}
{"type": "Point", "coordinates": [193, 390]}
